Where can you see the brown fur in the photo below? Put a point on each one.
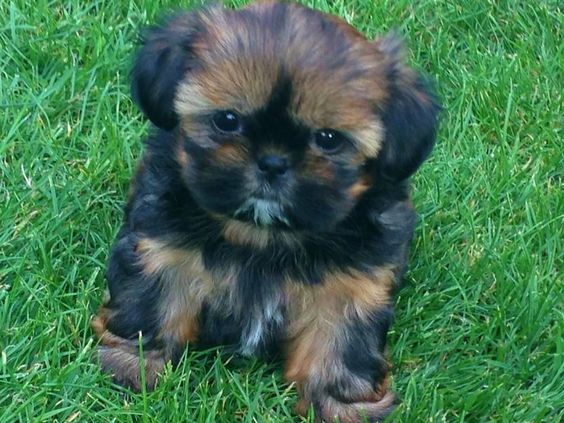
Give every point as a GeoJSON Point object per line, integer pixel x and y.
{"type": "Point", "coordinates": [317, 166]}
{"type": "Point", "coordinates": [98, 324]}
{"type": "Point", "coordinates": [184, 283]}
{"type": "Point", "coordinates": [241, 76]}
{"type": "Point", "coordinates": [242, 233]}
{"type": "Point", "coordinates": [232, 154]}
{"type": "Point", "coordinates": [316, 337]}
{"type": "Point", "coordinates": [182, 157]}
{"type": "Point", "coordinates": [360, 187]}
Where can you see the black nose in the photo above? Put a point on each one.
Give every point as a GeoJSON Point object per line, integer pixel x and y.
{"type": "Point", "coordinates": [273, 165]}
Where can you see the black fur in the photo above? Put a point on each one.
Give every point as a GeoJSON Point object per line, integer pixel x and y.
{"type": "Point", "coordinates": [133, 305]}
{"type": "Point", "coordinates": [366, 343]}
{"type": "Point", "coordinates": [165, 57]}
{"type": "Point", "coordinates": [410, 121]}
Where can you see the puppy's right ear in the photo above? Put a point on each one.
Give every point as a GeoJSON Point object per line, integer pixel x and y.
{"type": "Point", "coordinates": [165, 58]}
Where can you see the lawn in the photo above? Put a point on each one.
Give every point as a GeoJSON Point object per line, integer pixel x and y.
{"type": "Point", "coordinates": [479, 333]}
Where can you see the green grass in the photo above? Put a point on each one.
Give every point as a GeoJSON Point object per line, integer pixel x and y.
{"type": "Point", "coordinates": [479, 334]}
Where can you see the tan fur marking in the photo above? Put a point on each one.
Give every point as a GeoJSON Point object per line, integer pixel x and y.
{"type": "Point", "coordinates": [359, 187]}
{"type": "Point", "coordinates": [341, 294]}
{"type": "Point", "coordinates": [180, 325]}
{"type": "Point", "coordinates": [318, 167]}
{"type": "Point", "coordinates": [221, 91]}
{"type": "Point", "coordinates": [191, 100]}
{"type": "Point", "coordinates": [232, 154]}
{"type": "Point", "coordinates": [310, 351]}
{"type": "Point", "coordinates": [241, 233]}
{"type": "Point", "coordinates": [369, 137]}
{"type": "Point", "coordinates": [99, 326]}
{"type": "Point", "coordinates": [99, 321]}
{"type": "Point", "coordinates": [185, 284]}
{"type": "Point", "coordinates": [156, 256]}
{"type": "Point", "coordinates": [181, 156]}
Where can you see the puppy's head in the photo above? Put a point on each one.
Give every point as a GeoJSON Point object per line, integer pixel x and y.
{"type": "Point", "coordinates": [285, 116]}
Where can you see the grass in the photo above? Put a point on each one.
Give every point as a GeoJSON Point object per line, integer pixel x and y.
{"type": "Point", "coordinates": [479, 334]}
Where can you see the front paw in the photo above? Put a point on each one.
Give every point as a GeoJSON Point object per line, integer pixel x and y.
{"type": "Point", "coordinates": [125, 367]}
{"type": "Point", "coordinates": [331, 410]}
{"type": "Point", "coordinates": [357, 412]}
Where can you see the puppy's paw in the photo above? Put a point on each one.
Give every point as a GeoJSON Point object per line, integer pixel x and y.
{"type": "Point", "coordinates": [126, 366]}
{"type": "Point", "coordinates": [120, 357]}
{"type": "Point", "coordinates": [332, 410]}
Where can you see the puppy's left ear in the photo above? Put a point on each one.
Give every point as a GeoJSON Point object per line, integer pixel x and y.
{"type": "Point", "coordinates": [410, 116]}
{"type": "Point", "coordinates": [164, 59]}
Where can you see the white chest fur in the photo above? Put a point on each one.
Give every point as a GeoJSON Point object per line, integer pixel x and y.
{"type": "Point", "coordinates": [259, 322]}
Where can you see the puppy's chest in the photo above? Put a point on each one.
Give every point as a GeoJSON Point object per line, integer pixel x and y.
{"type": "Point", "coordinates": [243, 307]}
{"type": "Point", "coordinates": [249, 318]}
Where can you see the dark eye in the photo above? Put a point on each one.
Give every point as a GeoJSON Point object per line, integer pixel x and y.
{"type": "Point", "coordinates": [226, 121]}
{"type": "Point", "coordinates": [330, 141]}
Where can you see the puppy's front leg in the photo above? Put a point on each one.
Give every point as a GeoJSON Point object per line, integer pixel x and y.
{"type": "Point", "coordinates": [156, 290]}
{"type": "Point", "coordinates": [336, 347]}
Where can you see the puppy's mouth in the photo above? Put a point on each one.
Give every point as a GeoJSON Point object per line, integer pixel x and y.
{"type": "Point", "coordinates": [263, 211]}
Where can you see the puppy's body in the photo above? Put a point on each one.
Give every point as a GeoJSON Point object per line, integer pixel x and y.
{"type": "Point", "coordinates": [270, 212]}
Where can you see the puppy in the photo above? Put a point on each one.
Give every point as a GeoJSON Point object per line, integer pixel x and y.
{"type": "Point", "coordinates": [270, 212]}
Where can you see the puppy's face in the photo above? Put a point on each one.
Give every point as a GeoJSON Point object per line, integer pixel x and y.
{"type": "Point", "coordinates": [285, 116]}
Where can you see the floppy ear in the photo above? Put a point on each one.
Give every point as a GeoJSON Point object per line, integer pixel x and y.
{"type": "Point", "coordinates": [410, 117]}
{"type": "Point", "coordinates": [164, 59]}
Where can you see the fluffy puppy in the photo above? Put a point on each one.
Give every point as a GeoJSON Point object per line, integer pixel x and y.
{"type": "Point", "coordinates": [270, 211]}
